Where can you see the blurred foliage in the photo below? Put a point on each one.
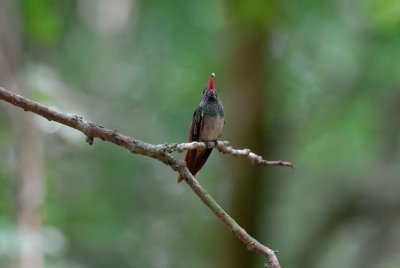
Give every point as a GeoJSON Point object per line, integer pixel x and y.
{"type": "Point", "coordinates": [41, 21]}
{"type": "Point", "coordinates": [140, 66]}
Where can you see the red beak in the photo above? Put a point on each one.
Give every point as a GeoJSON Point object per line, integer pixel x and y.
{"type": "Point", "coordinates": [211, 85]}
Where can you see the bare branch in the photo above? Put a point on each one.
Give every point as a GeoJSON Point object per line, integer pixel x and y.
{"type": "Point", "coordinates": [159, 152]}
{"type": "Point", "coordinates": [180, 147]}
{"type": "Point", "coordinates": [255, 159]}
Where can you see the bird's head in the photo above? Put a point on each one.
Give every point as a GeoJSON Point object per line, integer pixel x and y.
{"type": "Point", "coordinates": [210, 93]}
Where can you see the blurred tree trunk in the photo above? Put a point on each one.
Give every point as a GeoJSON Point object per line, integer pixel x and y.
{"type": "Point", "coordinates": [246, 118]}
{"type": "Point", "coordinates": [30, 190]}
{"type": "Point", "coordinates": [28, 144]}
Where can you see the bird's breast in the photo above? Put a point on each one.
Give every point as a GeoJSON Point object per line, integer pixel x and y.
{"type": "Point", "coordinates": [211, 128]}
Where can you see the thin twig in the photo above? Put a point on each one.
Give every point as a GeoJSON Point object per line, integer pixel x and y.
{"type": "Point", "coordinates": [255, 159]}
{"type": "Point", "coordinates": [159, 152]}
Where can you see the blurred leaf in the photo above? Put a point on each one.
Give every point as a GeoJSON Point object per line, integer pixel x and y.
{"type": "Point", "coordinates": [42, 23]}
{"type": "Point", "coordinates": [383, 14]}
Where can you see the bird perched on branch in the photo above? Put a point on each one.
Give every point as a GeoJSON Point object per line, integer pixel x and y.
{"type": "Point", "coordinates": [207, 125]}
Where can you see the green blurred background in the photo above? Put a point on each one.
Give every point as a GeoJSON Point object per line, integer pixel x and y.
{"type": "Point", "coordinates": [312, 82]}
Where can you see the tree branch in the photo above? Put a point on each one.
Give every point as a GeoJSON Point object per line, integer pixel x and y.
{"type": "Point", "coordinates": [223, 147]}
{"type": "Point", "coordinates": [161, 153]}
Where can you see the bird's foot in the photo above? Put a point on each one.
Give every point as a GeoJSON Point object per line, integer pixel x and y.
{"type": "Point", "coordinates": [208, 143]}
{"type": "Point", "coordinates": [208, 146]}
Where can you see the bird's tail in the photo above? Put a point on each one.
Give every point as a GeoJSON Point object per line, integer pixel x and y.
{"type": "Point", "coordinates": [180, 179]}
{"type": "Point", "coordinates": [195, 160]}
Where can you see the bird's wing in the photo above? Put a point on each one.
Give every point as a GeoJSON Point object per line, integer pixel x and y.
{"type": "Point", "coordinates": [197, 157]}
{"type": "Point", "coordinates": [194, 134]}
{"type": "Point", "coordinates": [197, 123]}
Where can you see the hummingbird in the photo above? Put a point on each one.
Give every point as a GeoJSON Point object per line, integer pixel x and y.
{"type": "Point", "coordinates": [207, 125]}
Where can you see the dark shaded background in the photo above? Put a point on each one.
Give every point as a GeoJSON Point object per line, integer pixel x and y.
{"type": "Point", "coordinates": [313, 82]}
